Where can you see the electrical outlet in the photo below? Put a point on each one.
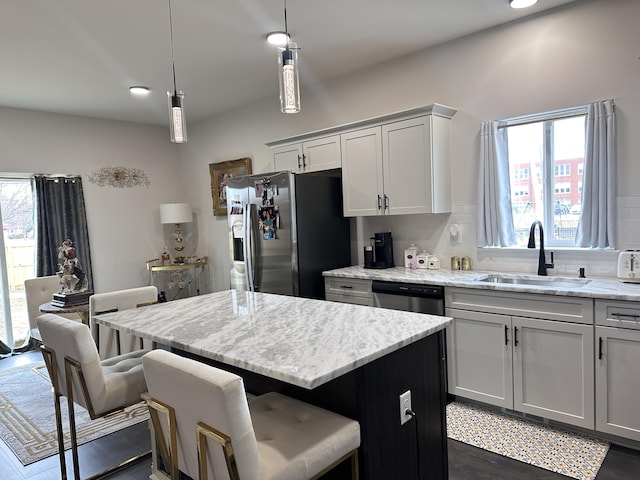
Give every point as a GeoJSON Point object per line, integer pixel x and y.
{"type": "Point", "coordinates": [405, 404]}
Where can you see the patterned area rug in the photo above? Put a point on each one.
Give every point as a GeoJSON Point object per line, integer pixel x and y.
{"type": "Point", "coordinates": [570, 454]}
{"type": "Point", "coordinates": [27, 416]}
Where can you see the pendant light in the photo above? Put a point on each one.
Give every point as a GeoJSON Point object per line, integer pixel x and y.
{"type": "Point", "coordinates": [522, 3]}
{"type": "Point", "coordinates": [177, 120]}
{"type": "Point", "coordinates": [288, 72]}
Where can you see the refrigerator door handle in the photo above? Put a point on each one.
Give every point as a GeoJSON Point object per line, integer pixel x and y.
{"type": "Point", "coordinates": [248, 260]}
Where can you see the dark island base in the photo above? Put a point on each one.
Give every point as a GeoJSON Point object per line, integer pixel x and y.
{"type": "Point", "coordinates": [370, 395]}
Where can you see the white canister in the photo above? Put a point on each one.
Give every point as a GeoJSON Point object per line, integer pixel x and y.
{"type": "Point", "coordinates": [433, 263]}
{"type": "Point", "coordinates": [410, 255]}
{"type": "Point", "coordinates": [423, 259]}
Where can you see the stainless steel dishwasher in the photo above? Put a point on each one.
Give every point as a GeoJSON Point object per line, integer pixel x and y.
{"type": "Point", "coordinates": [413, 297]}
{"type": "Point", "coordinates": [410, 297]}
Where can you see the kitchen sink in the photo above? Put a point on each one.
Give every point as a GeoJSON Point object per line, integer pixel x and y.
{"type": "Point", "coordinates": [535, 281]}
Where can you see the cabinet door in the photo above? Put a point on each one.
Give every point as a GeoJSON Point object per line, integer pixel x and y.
{"type": "Point", "coordinates": [479, 362]}
{"type": "Point", "coordinates": [406, 148]}
{"type": "Point", "coordinates": [288, 157]}
{"type": "Point", "coordinates": [321, 154]}
{"type": "Point", "coordinates": [362, 172]}
{"type": "Point", "coordinates": [553, 370]}
{"type": "Point", "coordinates": [618, 382]}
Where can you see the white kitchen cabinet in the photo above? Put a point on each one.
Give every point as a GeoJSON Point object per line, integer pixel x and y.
{"type": "Point", "coordinates": [396, 168]}
{"type": "Point", "coordinates": [479, 357]}
{"type": "Point", "coordinates": [617, 343]}
{"type": "Point", "coordinates": [553, 370]}
{"type": "Point", "coordinates": [309, 156]}
{"type": "Point", "coordinates": [362, 180]}
{"type": "Point", "coordinates": [521, 352]}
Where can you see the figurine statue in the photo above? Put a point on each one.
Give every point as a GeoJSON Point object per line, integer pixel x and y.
{"type": "Point", "coordinates": [72, 278]}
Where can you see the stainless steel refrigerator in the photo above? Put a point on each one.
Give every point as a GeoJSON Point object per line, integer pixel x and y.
{"type": "Point", "coordinates": [285, 229]}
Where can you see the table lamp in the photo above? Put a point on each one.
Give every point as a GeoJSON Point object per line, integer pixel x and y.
{"type": "Point", "coordinates": [177, 214]}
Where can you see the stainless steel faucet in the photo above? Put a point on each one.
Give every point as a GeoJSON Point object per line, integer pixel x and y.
{"type": "Point", "coordinates": [542, 259]}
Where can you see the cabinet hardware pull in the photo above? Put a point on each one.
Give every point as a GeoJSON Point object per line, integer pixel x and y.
{"type": "Point", "coordinates": [599, 348]}
{"type": "Point", "coordinates": [304, 164]}
{"type": "Point", "coordinates": [506, 335]}
{"type": "Point", "coordinates": [625, 315]}
{"type": "Point", "coordinates": [346, 286]}
{"type": "Point", "coordinates": [386, 202]}
{"type": "Point", "coordinates": [379, 202]}
{"type": "Point", "coordinates": [298, 161]}
{"type": "Point", "coordinates": [515, 336]}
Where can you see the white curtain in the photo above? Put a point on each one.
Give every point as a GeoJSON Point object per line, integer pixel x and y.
{"type": "Point", "coordinates": [495, 219]}
{"type": "Point", "coordinates": [597, 225]}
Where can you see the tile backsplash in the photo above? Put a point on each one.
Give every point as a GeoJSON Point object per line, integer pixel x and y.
{"type": "Point", "coordinates": [432, 233]}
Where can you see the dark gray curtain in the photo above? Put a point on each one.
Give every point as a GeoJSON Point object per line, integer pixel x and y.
{"type": "Point", "coordinates": [60, 215]}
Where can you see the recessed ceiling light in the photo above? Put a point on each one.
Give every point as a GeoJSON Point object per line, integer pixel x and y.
{"type": "Point", "coordinates": [522, 3]}
{"type": "Point", "coordinates": [139, 90]}
{"type": "Point", "coordinates": [277, 38]}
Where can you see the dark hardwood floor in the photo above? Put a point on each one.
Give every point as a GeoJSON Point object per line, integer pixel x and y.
{"type": "Point", "coordinates": [465, 462]}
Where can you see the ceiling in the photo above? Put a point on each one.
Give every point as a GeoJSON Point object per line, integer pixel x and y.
{"type": "Point", "coordinates": [80, 56]}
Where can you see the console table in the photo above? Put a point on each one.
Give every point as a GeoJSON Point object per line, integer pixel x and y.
{"type": "Point", "coordinates": [176, 275]}
{"type": "Point", "coordinates": [351, 359]}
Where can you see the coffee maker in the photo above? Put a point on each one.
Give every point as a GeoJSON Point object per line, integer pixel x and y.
{"type": "Point", "coordinates": [381, 255]}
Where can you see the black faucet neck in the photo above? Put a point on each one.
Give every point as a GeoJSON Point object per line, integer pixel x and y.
{"type": "Point", "coordinates": [542, 261]}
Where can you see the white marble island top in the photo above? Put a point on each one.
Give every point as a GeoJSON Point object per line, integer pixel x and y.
{"type": "Point", "coordinates": [299, 341]}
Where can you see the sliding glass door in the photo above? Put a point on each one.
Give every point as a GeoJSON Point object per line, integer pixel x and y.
{"type": "Point", "coordinates": [17, 253]}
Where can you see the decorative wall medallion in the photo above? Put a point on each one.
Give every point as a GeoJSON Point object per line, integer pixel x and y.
{"type": "Point", "coordinates": [119, 177]}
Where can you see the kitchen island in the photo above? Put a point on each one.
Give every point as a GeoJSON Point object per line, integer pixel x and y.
{"type": "Point", "coordinates": [351, 359]}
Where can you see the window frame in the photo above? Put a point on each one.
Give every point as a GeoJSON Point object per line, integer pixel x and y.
{"type": "Point", "coordinates": [548, 162]}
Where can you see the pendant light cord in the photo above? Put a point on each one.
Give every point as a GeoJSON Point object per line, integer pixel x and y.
{"type": "Point", "coordinates": [286, 30]}
{"type": "Point", "coordinates": [173, 59]}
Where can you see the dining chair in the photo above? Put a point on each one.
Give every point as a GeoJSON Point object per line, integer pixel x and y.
{"type": "Point", "coordinates": [109, 341]}
{"type": "Point", "coordinates": [206, 428]}
{"type": "Point", "coordinates": [102, 387]}
{"type": "Point", "coordinates": [37, 291]}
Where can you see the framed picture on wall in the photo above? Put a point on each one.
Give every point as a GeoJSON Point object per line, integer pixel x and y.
{"type": "Point", "coordinates": [220, 172]}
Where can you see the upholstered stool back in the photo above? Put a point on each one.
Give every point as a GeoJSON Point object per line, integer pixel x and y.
{"type": "Point", "coordinates": [108, 342]}
{"type": "Point", "coordinates": [271, 437]}
{"type": "Point", "coordinates": [37, 291]}
{"type": "Point", "coordinates": [201, 393]}
{"type": "Point", "coordinates": [110, 383]}
{"type": "Point", "coordinates": [101, 387]}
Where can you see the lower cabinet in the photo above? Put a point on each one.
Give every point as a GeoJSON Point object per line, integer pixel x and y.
{"type": "Point", "coordinates": [542, 367]}
{"type": "Point", "coordinates": [617, 346]}
{"type": "Point", "coordinates": [479, 357]}
{"type": "Point", "coordinates": [348, 290]}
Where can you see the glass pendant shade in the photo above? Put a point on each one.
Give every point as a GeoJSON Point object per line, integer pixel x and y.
{"type": "Point", "coordinates": [288, 78]}
{"type": "Point", "coordinates": [522, 3]}
{"type": "Point", "coordinates": [177, 120]}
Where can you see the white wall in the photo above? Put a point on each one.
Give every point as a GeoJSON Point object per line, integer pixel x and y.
{"type": "Point", "coordinates": [583, 52]}
{"type": "Point", "coordinates": [124, 223]}
{"type": "Point", "coordinates": [577, 54]}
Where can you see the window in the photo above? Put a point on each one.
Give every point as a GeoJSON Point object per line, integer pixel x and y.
{"type": "Point", "coordinates": [550, 147]}
{"type": "Point", "coordinates": [562, 170]}
{"type": "Point", "coordinates": [521, 173]}
{"type": "Point", "coordinates": [16, 208]}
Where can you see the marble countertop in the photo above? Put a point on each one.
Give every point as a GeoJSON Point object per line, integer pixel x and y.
{"type": "Point", "coordinates": [606, 288]}
{"type": "Point", "coordinates": [299, 341]}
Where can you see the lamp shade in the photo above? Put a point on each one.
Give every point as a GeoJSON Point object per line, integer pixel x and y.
{"type": "Point", "coordinates": [175, 213]}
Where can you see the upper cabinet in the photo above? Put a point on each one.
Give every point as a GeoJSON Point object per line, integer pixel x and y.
{"type": "Point", "coordinates": [396, 164]}
{"type": "Point", "coordinates": [310, 156]}
{"type": "Point", "coordinates": [397, 168]}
